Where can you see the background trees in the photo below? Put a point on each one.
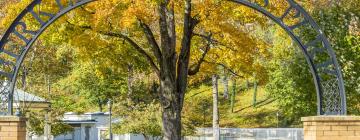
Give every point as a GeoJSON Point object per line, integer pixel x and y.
{"type": "Point", "coordinates": [84, 59]}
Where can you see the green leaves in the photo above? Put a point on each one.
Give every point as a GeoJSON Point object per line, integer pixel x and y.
{"type": "Point", "coordinates": [142, 119]}
{"type": "Point", "coordinates": [97, 84]}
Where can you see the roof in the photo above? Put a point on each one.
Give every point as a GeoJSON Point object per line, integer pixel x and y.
{"type": "Point", "coordinates": [22, 96]}
{"type": "Point", "coordinates": [79, 121]}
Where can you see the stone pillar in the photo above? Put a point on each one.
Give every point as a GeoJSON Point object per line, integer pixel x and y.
{"type": "Point", "coordinates": [12, 128]}
{"type": "Point", "coordinates": [331, 127]}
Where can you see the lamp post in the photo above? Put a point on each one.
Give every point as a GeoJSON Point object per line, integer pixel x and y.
{"type": "Point", "coordinates": [110, 130]}
{"type": "Point", "coordinates": [277, 119]}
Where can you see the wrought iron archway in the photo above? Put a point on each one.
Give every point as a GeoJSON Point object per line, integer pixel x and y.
{"type": "Point", "coordinates": [321, 58]}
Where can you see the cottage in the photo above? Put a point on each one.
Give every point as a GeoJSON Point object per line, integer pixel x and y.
{"type": "Point", "coordinates": [88, 126]}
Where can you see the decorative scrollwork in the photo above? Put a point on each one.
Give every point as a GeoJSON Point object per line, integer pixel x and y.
{"type": "Point", "coordinates": [331, 97]}
{"type": "Point", "coordinates": [18, 39]}
{"type": "Point", "coordinates": [4, 97]}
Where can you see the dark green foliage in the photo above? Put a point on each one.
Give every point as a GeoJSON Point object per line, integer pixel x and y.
{"type": "Point", "coordinates": [341, 24]}
{"type": "Point", "coordinates": [292, 86]}
{"type": "Point", "coordinates": [36, 123]}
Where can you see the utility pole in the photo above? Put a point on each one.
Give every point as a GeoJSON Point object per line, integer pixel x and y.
{"type": "Point", "coordinates": [216, 129]}
{"type": "Point", "coordinates": [110, 119]}
{"type": "Point", "coordinates": [277, 118]}
{"type": "Point", "coordinates": [47, 127]}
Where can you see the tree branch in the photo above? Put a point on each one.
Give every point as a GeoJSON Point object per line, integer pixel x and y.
{"type": "Point", "coordinates": [171, 24]}
{"type": "Point", "coordinates": [151, 39]}
{"type": "Point", "coordinates": [131, 42]}
{"type": "Point", "coordinates": [164, 33]}
{"type": "Point", "coordinates": [136, 47]}
{"type": "Point", "coordinates": [184, 56]}
{"type": "Point", "coordinates": [88, 11]}
{"type": "Point", "coordinates": [81, 26]}
{"type": "Point", "coordinates": [208, 38]}
{"type": "Point", "coordinates": [225, 67]}
{"type": "Point", "coordinates": [196, 67]}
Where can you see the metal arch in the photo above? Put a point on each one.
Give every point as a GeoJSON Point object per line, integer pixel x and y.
{"type": "Point", "coordinates": [330, 107]}
{"type": "Point", "coordinates": [330, 51]}
{"type": "Point", "coordinates": [296, 39]}
{"type": "Point", "coordinates": [330, 91]}
{"type": "Point", "coordinates": [12, 77]}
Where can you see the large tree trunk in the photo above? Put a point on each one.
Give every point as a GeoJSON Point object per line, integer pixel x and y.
{"type": "Point", "coordinates": [171, 113]}
{"type": "Point", "coordinates": [146, 137]}
{"type": "Point", "coordinates": [171, 124]}
{"type": "Point", "coordinates": [216, 130]}
{"type": "Point", "coordinates": [171, 67]}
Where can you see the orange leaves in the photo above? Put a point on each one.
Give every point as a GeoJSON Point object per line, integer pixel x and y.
{"type": "Point", "coordinates": [144, 10]}
{"type": "Point", "coordinates": [122, 14]}
{"type": "Point", "coordinates": [10, 10]}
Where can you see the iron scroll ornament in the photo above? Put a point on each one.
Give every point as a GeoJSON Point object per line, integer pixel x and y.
{"type": "Point", "coordinates": [326, 72]}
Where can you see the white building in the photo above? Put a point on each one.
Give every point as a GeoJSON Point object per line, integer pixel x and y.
{"type": "Point", "coordinates": [88, 126]}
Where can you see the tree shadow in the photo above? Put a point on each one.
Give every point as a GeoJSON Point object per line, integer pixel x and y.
{"type": "Point", "coordinates": [258, 104]}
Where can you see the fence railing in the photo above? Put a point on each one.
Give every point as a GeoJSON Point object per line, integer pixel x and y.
{"type": "Point", "coordinates": [250, 134]}
{"type": "Point", "coordinates": [225, 134]}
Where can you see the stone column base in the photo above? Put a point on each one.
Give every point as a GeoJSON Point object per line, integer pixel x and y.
{"type": "Point", "coordinates": [331, 127]}
{"type": "Point", "coordinates": [12, 128]}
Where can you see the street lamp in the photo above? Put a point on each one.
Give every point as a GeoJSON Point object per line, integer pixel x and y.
{"type": "Point", "coordinates": [110, 130]}
{"type": "Point", "coordinates": [277, 118]}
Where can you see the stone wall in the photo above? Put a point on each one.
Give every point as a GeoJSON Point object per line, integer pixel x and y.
{"type": "Point", "coordinates": [331, 127]}
{"type": "Point", "coordinates": [12, 128]}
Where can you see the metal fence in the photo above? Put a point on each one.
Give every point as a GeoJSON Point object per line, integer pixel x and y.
{"type": "Point", "coordinates": [225, 134]}
{"type": "Point", "coordinates": [250, 134]}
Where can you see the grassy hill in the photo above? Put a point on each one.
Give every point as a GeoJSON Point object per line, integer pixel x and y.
{"type": "Point", "coordinates": [198, 108]}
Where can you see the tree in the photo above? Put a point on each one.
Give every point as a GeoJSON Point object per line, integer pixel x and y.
{"type": "Point", "coordinates": [170, 61]}
{"type": "Point", "coordinates": [197, 111]}
{"type": "Point", "coordinates": [143, 119]}
{"type": "Point", "coordinates": [225, 81]}
{"type": "Point", "coordinates": [98, 85]}
{"type": "Point", "coordinates": [36, 123]}
{"type": "Point", "coordinates": [291, 82]}
{"type": "Point", "coordinates": [255, 92]}
{"type": "Point", "coordinates": [340, 22]}
{"type": "Point", "coordinates": [165, 33]}
{"type": "Point", "coordinates": [233, 94]}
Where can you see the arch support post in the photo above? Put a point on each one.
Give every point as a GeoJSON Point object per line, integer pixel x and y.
{"type": "Point", "coordinates": [12, 128]}
{"type": "Point", "coordinates": [331, 127]}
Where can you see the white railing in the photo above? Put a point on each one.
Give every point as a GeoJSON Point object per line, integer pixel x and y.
{"type": "Point", "coordinates": [226, 134]}
{"type": "Point", "coordinates": [250, 134]}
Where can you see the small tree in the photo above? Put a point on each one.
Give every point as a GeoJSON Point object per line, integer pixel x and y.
{"type": "Point", "coordinates": [143, 119]}
{"type": "Point", "coordinates": [226, 85]}
{"type": "Point", "coordinates": [232, 98]}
